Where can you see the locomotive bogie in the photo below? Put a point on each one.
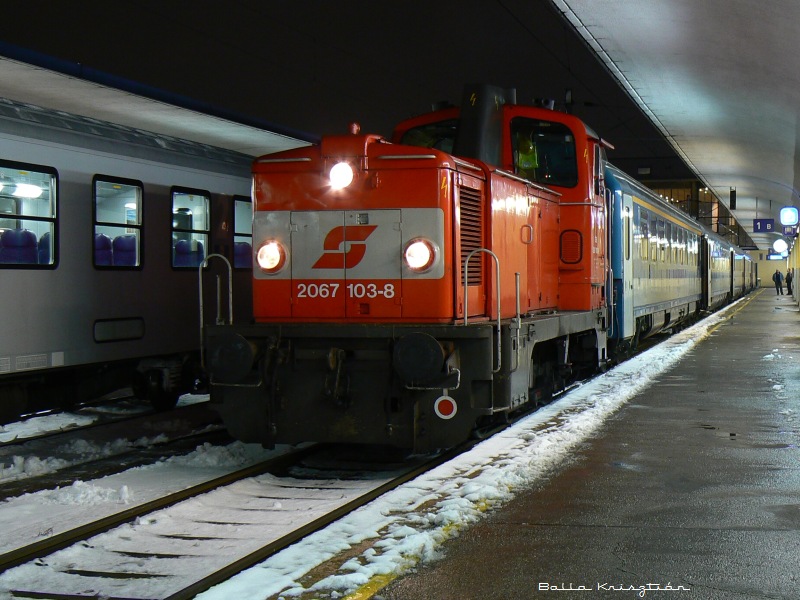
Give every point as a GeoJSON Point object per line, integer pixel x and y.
{"type": "Point", "coordinates": [379, 384]}
{"type": "Point", "coordinates": [355, 383]}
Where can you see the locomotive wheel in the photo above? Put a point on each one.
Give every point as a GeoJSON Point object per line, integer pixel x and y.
{"type": "Point", "coordinates": [149, 386]}
{"type": "Point", "coordinates": [162, 400]}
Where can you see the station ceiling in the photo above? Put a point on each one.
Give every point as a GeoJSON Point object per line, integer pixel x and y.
{"type": "Point", "coordinates": [720, 79]}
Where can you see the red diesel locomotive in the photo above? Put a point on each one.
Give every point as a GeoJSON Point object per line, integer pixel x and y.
{"type": "Point", "coordinates": [414, 292]}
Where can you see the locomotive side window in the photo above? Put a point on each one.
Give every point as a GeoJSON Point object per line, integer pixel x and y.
{"type": "Point", "coordinates": [190, 227]}
{"type": "Point", "coordinates": [544, 152]}
{"type": "Point", "coordinates": [242, 232]}
{"type": "Point", "coordinates": [27, 215]}
{"type": "Point", "coordinates": [117, 222]}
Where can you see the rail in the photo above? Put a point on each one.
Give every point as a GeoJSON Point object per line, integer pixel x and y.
{"type": "Point", "coordinates": [220, 320]}
{"type": "Point", "coordinates": [497, 286]}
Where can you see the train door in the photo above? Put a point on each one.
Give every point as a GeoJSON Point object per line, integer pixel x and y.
{"type": "Point", "coordinates": [705, 270]}
{"type": "Point", "coordinates": [624, 291]}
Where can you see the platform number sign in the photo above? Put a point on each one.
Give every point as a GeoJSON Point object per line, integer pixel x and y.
{"type": "Point", "coordinates": [763, 225]}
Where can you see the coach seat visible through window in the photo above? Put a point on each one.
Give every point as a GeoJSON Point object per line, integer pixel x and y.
{"type": "Point", "coordinates": [188, 253]}
{"type": "Point", "coordinates": [18, 246]}
{"type": "Point", "coordinates": [242, 255]}
{"type": "Point", "coordinates": [124, 250]}
{"type": "Point", "coordinates": [103, 255]}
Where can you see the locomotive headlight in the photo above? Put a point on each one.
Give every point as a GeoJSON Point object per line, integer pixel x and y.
{"type": "Point", "coordinates": [341, 175]}
{"type": "Point", "coordinates": [271, 256]}
{"type": "Point", "coordinates": [420, 254]}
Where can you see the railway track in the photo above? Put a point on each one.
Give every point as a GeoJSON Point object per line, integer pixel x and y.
{"type": "Point", "coordinates": [179, 545]}
{"type": "Point", "coordinates": [100, 413]}
{"type": "Point", "coordinates": [61, 457]}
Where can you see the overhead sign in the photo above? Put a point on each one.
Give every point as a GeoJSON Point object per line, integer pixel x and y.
{"type": "Point", "coordinates": [790, 230]}
{"type": "Point", "coordinates": [763, 225]}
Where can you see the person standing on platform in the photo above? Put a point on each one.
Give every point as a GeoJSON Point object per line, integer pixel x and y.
{"type": "Point", "coordinates": [777, 277]}
{"type": "Point", "coordinates": [789, 280]}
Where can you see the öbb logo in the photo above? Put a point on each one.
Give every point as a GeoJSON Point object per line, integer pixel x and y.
{"type": "Point", "coordinates": [355, 236]}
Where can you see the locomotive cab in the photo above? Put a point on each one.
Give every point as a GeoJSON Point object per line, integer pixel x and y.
{"type": "Point", "coordinates": [545, 148]}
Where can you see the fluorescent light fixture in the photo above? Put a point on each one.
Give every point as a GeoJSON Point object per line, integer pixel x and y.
{"type": "Point", "coordinates": [27, 190]}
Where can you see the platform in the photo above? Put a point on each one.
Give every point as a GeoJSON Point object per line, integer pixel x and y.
{"type": "Point", "coordinates": [691, 491]}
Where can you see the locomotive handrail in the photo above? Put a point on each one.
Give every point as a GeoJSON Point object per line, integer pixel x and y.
{"type": "Point", "coordinates": [465, 164]}
{"type": "Point", "coordinates": [466, 297]}
{"type": "Point", "coordinates": [405, 156]}
{"type": "Point", "coordinates": [517, 323]}
{"type": "Point", "coordinates": [220, 321]}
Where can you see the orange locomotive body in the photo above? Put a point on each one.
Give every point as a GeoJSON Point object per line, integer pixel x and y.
{"type": "Point", "coordinates": [411, 293]}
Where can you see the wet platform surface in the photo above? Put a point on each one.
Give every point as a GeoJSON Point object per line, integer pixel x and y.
{"type": "Point", "coordinates": [691, 491]}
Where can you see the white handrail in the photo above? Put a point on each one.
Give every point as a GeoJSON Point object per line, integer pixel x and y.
{"type": "Point", "coordinates": [497, 285]}
{"type": "Point", "coordinates": [219, 307]}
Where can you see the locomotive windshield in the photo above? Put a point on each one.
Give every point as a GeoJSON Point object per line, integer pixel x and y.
{"type": "Point", "coordinates": [441, 135]}
{"type": "Point", "coordinates": [544, 152]}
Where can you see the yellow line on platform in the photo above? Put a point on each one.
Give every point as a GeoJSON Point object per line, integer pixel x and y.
{"type": "Point", "coordinates": [372, 587]}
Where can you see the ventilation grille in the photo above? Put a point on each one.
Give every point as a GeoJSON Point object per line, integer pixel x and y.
{"type": "Point", "coordinates": [471, 233]}
{"type": "Point", "coordinates": [571, 247]}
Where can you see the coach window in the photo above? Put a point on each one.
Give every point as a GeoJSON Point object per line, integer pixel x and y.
{"type": "Point", "coordinates": [242, 232]}
{"type": "Point", "coordinates": [645, 233]}
{"type": "Point", "coordinates": [117, 223]}
{"type": "Point", "coordinates": [27, 215]}
{"type": "Point", "coordinates": [190, 227]}
{"type": "Point", "coordinates": [654, 238]}
{"type": "Point", "coordinates": [675, 256]}
{"type": "Point", "coordinates": [668, 242]}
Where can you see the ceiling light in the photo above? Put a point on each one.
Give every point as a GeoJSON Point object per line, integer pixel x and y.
{"type": "Point", "coordinates": [27, 190]}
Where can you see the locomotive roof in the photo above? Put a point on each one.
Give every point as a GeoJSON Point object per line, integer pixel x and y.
{"type": "Point", "coordinates": [32, 78]}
